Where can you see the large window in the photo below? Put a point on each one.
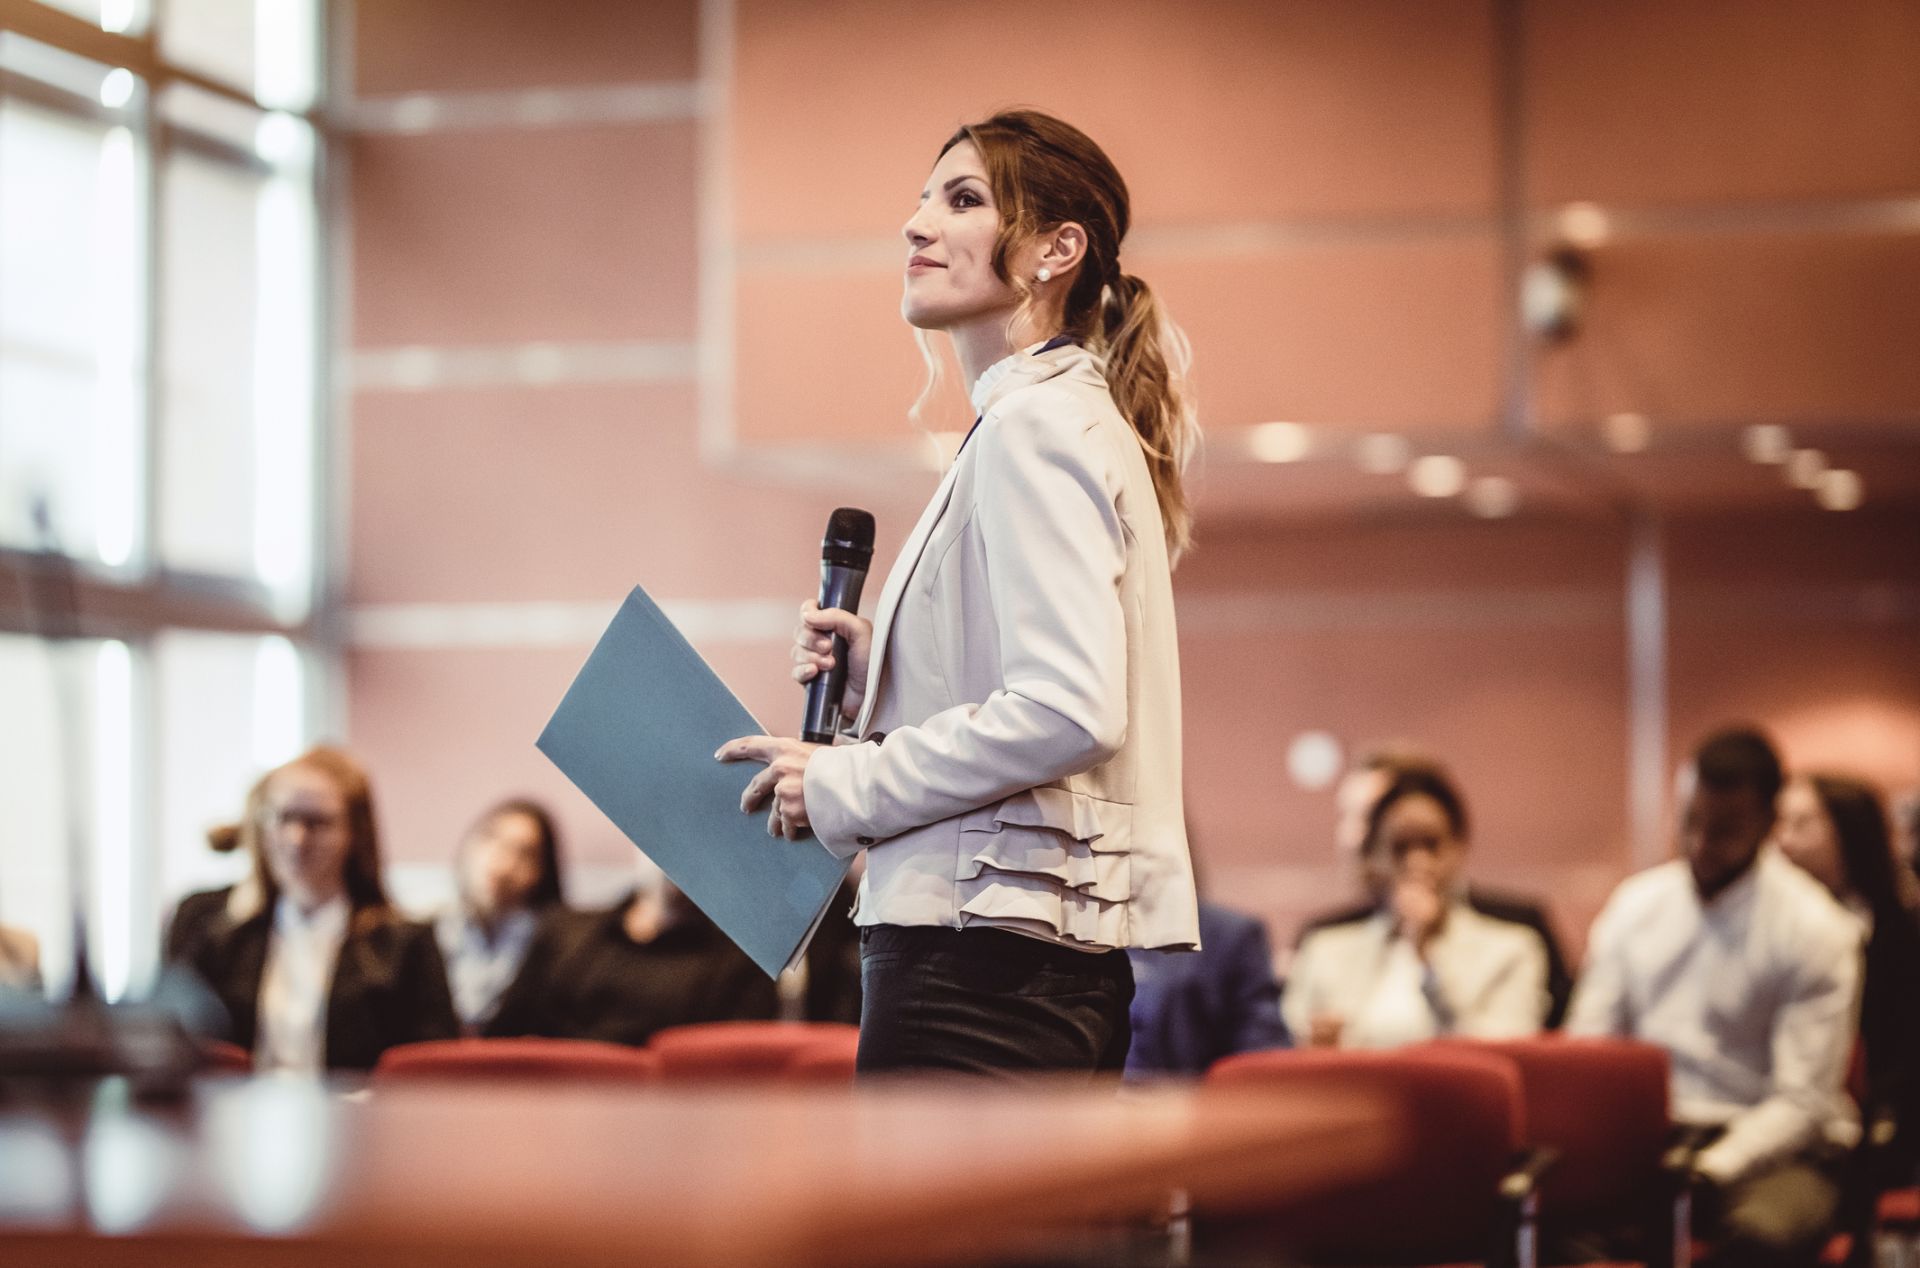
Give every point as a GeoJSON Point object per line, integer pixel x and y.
{"type": "Point", "coordinates": [160, 262]}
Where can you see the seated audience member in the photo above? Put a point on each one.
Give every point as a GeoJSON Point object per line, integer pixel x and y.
{"type": "Point", "coordinates": [1746, 970]}
{"type": "Point", "coordinates": [1424, 963]}
{"type": "Point", "coordinates": [1836, 830]}
{"type": "Point", "coordinates": [649, 962]}
{"type": "Point", "coordinates": [1906, 817]}
{"type": "Point", "coordinates": [507, 873]}
{"type": "Point", "coordinates": [1354, 799]}
{"type": "Point", "coordinates": [1192, 1008]}
{"type": "Point", "coordinates": [201, 910]}
{"type": "Point", "coordinates": [19, 960]}
{"type": "Point", "coordinates": [827, 985]}
{"type": "Point", "coordinates": [315, 968]}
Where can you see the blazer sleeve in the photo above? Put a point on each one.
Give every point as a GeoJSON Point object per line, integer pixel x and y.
{"type": "Point", "coordinates": [1055, 549]}
{"type": "Point", "coordinates": [1600, 1005]}
{"type": "Point", "coordinates": [426, 1010]}
{"type": "Point", "coordinates": [1813, 1035]}
{"type": "Point", "coordinates": [1253, 1021]}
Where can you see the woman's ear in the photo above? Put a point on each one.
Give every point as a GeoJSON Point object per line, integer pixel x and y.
{"type": "Point", "coordinates": [1062, 249]}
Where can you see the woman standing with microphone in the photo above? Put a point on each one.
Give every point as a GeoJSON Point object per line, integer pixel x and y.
{"type": "Point", "coordinates": [1017, 695]}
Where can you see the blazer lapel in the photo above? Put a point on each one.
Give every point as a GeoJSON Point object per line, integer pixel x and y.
{"type": "Point", "coordinates": [897, 579]}
{"type": "Point", "coordinates": [1069, 359]}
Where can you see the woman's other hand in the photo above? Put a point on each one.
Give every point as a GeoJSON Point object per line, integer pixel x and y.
{"type": "Point", "coordinates": [782, 783]}
{"type": "Point", "coordinates": [813, 649]}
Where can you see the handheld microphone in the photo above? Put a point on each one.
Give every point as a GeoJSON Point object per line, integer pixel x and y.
{"type": "Point", "coordinates": [844, 557]}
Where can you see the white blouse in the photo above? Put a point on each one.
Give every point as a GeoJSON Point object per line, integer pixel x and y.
{"type": "Point", "coordinates": [302, 950]}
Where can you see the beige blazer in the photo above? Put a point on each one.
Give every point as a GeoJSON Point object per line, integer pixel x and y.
{"type": "Point", "coordinates": [1020, 756]}
{"type": "Point", "coordinates": [1483, 978]}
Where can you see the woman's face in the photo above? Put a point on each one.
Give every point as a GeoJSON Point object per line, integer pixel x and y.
{"type": "Point", "coordinates": [1805, 834]}
{"type": "Point", "coordinates": [304, 836]}
{"type": "Point", "coordinates": [501, 863]}
{"type": "Point", "coordinates": [1417, 841]}
{"type": "Point", "coordinates": [950, 279]}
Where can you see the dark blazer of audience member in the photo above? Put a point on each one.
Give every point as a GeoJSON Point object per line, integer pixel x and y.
{"type": "Point", "coordinates": [314, 966]}
{"type": "Point", "coordinates": [833, 963]}
{"type": "Point", "coordinates": [507, 876]}
{"type": "Point", "coordinates": [1358, 792]}
{"type": "Point", "coordinates": [1192, 1008]}
{"type": "Point", "coordinates": [198, 912]}
{"type": "Point", "coordinates": [1837, 830]}
{"type": "Point", "coordinates": [622, 974]}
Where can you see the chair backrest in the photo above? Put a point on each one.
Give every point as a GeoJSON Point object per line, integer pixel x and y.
{"type": "Point", "coordinates": [1461, 1125]}
{"type": "Point", "coordinates": [736, 1050]}
{"type": "Point", "coordinates": [576, 1060]}
{"type": "Point", "coordinates": [1602, 1104]}
{"type": "Point", "coordinates": [827, 1060]}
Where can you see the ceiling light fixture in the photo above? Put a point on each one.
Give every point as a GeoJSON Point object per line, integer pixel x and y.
{"type": "Point", "coordinates": [1437, 476]}
{"type": "Point", "coordinates": [1766, 442]}
{"type": "Point", "coordinates": [1585, 225]}
{"type": "Point", "coordinates": [1839, 490]}
{"type": "Point", "coordinates": [1279, 442]}
{"type": "Point", "coordinates": [1627, 432]}
{"type": "Point", "coordinates": [1383, 453]}
{"type": "Point", "coordinates": [1805, 467]}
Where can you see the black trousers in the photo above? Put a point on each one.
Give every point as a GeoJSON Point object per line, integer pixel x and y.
{"type": "Point", "coordinates": [989, 1002]}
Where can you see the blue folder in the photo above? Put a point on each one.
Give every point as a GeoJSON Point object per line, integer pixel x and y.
{"type": "Point", "coordinates": [636, 733]}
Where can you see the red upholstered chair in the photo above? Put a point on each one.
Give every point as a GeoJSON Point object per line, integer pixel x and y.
{"type": "Point", "coordinates": [217, 1056]}
{"type": "Point", "coordinates": [566, 1060]}
{"type": "Point", "coordinates": [826, 1060]}
{"type": "Point", "coordinates": [735, 1050]}
{"type": "Point", "coordinates": [1601, 1106]}
{"type": "Point", "coordinates": [1451, 1194]}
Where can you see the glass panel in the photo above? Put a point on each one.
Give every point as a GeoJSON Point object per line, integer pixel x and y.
{"type": "Point", "coordinates": [230, 706]}
{"type": "Point", "coordinates": [234, 123]}
{"type": "Point", "coordinates": [70, 330]}
{"type": "Point", "coordinates": [236, 434]}
{"type": "Point", "coordinates": [52, 701]}
{"type": "Point", "coordinates": [122, 16]}
{"type": "Point", "coordinates": [206, 442]}
{"type": "Point", "coordinates": [267, 48]}
{"type": "Point", "coordinates": [68, 72]}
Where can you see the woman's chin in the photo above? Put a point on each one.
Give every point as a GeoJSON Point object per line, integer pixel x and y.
{"type": "Point", "coordinates": [921, 317]}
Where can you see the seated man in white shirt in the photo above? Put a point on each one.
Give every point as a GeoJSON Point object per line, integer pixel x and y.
{"type": "Point", "coordinates": [1425, 963]}
{"type": "Point", "coordinates": [1747, 971]}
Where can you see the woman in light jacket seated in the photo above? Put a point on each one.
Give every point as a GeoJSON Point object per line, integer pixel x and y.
{"type": "Point", "coordinates": [316, 969]}
{"type": "Point", "coordinates": [1425, 963]}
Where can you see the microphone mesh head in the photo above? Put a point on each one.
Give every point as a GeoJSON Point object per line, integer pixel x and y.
{"type": "Point", "coordinates": [852, 528]}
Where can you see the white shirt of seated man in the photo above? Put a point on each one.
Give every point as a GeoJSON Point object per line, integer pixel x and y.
{"type": "Point", "coordinates": [1747, 971]}
{"type": "Point", "coordinates": [1426, 964]}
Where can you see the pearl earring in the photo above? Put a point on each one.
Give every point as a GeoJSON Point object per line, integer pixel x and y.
{"type": "Point", "coordinates": [1044, 275]}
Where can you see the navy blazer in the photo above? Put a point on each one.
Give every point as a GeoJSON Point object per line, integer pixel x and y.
{"type": "Point", "coordinates": [1191, 1008]}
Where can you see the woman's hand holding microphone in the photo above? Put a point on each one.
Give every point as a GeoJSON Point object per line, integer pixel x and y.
{"type": "Point", "coordinates": [784, 779]}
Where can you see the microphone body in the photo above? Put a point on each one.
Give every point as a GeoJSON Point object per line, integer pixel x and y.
{"type": "Point", "coordinates": [844, 558]}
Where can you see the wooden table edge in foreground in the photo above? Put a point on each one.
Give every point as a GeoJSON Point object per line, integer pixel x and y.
{"type": "Point", "coordinates": [503, 1176]}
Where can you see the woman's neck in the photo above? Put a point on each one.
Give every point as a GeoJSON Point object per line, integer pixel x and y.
{"type": "Point", "coordinates": [979, 346]}
{"type": "Point", "coordinates": [309, 902]}
{"type": "Point", "coordinates": [981, 343]}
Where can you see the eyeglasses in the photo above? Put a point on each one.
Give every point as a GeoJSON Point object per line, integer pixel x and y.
{"type": "Point", "coordinates": [311, 820]}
